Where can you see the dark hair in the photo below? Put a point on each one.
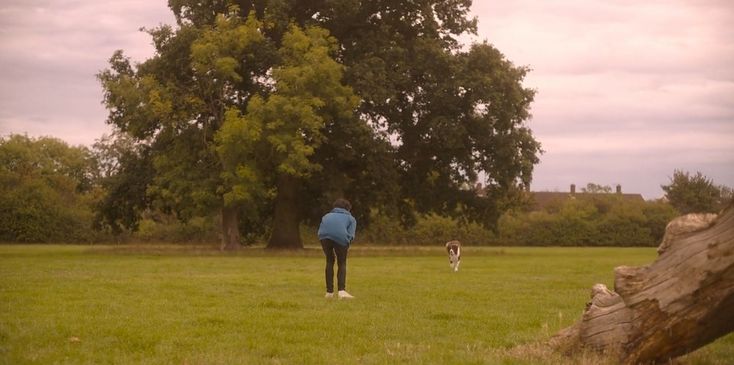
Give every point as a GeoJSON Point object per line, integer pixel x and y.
{"type": "Point", "coordinates": [342, 203]}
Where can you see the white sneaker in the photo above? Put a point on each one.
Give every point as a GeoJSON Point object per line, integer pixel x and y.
{"type": "Point", "coordinates": [344, 295]}
{"type": "Point", "coordinates": [329, 295]}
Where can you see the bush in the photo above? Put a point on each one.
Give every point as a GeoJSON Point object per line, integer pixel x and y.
{"type": "Point", "coordinates": [171, 230]}
{"type": "Point", "coordinates": [33, 212]}
{"type": "Point", "coordinates": [46, 193]}
{"type": "Point", "coordinates": [601, 221]}
{"type": "Point", "coordinates": [429, 229]}
{"type": "Point", "coordinates": [658, 213]}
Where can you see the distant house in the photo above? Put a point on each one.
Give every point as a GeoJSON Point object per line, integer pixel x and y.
{"type": "Point", "coordinates": [543, 199]}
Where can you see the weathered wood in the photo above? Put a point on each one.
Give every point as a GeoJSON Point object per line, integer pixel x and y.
{"type": "Point", "coordinates": [680, 302]}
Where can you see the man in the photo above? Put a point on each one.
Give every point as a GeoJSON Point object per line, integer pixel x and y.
{"type": "Point", "coordinates": [336, 233]}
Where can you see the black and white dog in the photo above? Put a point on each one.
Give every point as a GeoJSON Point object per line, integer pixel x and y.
{"type": "Point", "coordinates": [453, 248]}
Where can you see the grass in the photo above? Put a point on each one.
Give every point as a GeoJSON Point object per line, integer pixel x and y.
{"type": "Point", "coordinates": [184, 305]}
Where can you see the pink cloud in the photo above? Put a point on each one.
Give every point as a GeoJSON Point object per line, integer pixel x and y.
{"type": "Point", "coordinates": [627, 90]}
{"type": "Point", "coordinates": [640, 88]}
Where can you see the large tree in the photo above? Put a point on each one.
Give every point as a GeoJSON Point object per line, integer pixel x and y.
{"type": "Point", "coordinates": [174, 103]}
{"type": "Point", "coordinates": [271, 145]}
{"type": "Point", "coordinates": [456, 116]}
{"type": "Point", "coordinates": [433, 118]}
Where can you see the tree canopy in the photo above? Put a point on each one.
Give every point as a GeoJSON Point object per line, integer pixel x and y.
{"type": "Point", "coordinates": [46, 190]}
{"type": "Point", "coordinates": [267, 111]}
{"type": "Point", "coordinates": [695, 193]}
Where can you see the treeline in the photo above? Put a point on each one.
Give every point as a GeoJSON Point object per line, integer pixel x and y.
{"type": "Point", "coordinates": [251, 118]}
{"type": "Point", "coordinates": [53, 192]}
{"type": "Point", "coordinates": [605, 220]}
{"type": "Point", "coordinates": [600, 221]}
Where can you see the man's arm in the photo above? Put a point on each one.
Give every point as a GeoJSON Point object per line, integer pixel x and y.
{"type": "Point", "coordinates": [351, 229]}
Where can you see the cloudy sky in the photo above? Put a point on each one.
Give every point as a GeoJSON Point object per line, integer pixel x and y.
{"type": "Point", "coordinates": [628, 91]}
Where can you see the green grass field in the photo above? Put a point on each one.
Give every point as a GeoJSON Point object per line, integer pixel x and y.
{"type": "Point", "coordinates": [180, 305]}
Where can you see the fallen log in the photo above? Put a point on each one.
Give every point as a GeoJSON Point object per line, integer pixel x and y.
{"type": "Point", "coordinates": [680, 302]}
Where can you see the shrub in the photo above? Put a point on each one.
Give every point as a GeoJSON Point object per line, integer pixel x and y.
{"type": "Point", "coordinates": [169, 229]}
{"type": "Point", "coordinates": [429, 229]}
{"type": "Point", "coordinates": [600, 221]}
{"type": "Point", "coordinates": [657, 214]}
{"type": "Point", "coordinates": [46, 191]}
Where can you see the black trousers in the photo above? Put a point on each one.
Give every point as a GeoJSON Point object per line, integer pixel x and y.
{"type": "Point", "coordinates": [335, 251]}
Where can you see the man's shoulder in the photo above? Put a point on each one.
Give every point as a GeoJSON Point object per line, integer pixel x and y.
{"type": "Point", "coordinates": [339, 212]}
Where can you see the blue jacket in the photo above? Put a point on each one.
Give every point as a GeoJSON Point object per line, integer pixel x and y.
{"type": "Point", "coordinates": [338, 226]}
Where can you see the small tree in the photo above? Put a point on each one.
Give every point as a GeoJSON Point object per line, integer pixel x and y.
{"type": "Point", "coordinates": [597, 188]}
{"type": "Point", "coordinates": [692, 194]}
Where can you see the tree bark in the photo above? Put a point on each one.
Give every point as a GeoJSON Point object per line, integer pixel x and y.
{"type": "Point", "coordinates": [230, 229]}
{"type": "Point", "coordinates": [286, 232]}
{"type": "Point", "coordinates": [680, 302]}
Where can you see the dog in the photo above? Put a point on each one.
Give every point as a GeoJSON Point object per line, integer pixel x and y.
{"type": "Point", "coordinates": [453, 248]}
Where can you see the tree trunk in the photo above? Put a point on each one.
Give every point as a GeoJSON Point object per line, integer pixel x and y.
{"type": "Point", "coordinates": [680, 302]}
{"type": "Point", "coordinates": [230, 229]}
{"type": "Point", "coordinates": [286, 231]}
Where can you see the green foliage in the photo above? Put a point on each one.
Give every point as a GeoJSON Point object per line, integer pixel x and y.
{"type": "Point", "coordinates": [695, 194]}
{"type": "Point", "coordinates": [570, 222]}
{"type": "Point", "coordinates": [287, 126]}
{"type": "Point", "coordinates": [174, 103]}
{"type": "Point", "coordinates": [457, 115]}
{"type": "Point", "coordinates": [47, 190]}
{"type": "Point", "coordinates": [597, 189]}
{"type": "Point", "coordinates": [242, 93]}
{"type": "Point", "coordinates": [596, 220]}
{"type": "Point", "coordinates": [126, 170]}
{"type": "Point", "coordinates": [171, 230]}
{"type": "Point", "coordinates": [658, 213]}
{"type": "Point", "coordinates": [430, 229]}
{"type": "Point", "coordinates": [625, 225]}
{"type": "Point", "coordinates": [601, 220]}
{"type": "Point", "coordinates": [217, 51]}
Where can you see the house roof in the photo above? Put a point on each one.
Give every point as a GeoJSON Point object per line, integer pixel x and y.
{"type": "Point", "coordinates": [543, 199]}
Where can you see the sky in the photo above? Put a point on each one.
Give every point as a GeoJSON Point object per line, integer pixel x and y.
{"type": "Point", "coordinates": [627, 91]}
